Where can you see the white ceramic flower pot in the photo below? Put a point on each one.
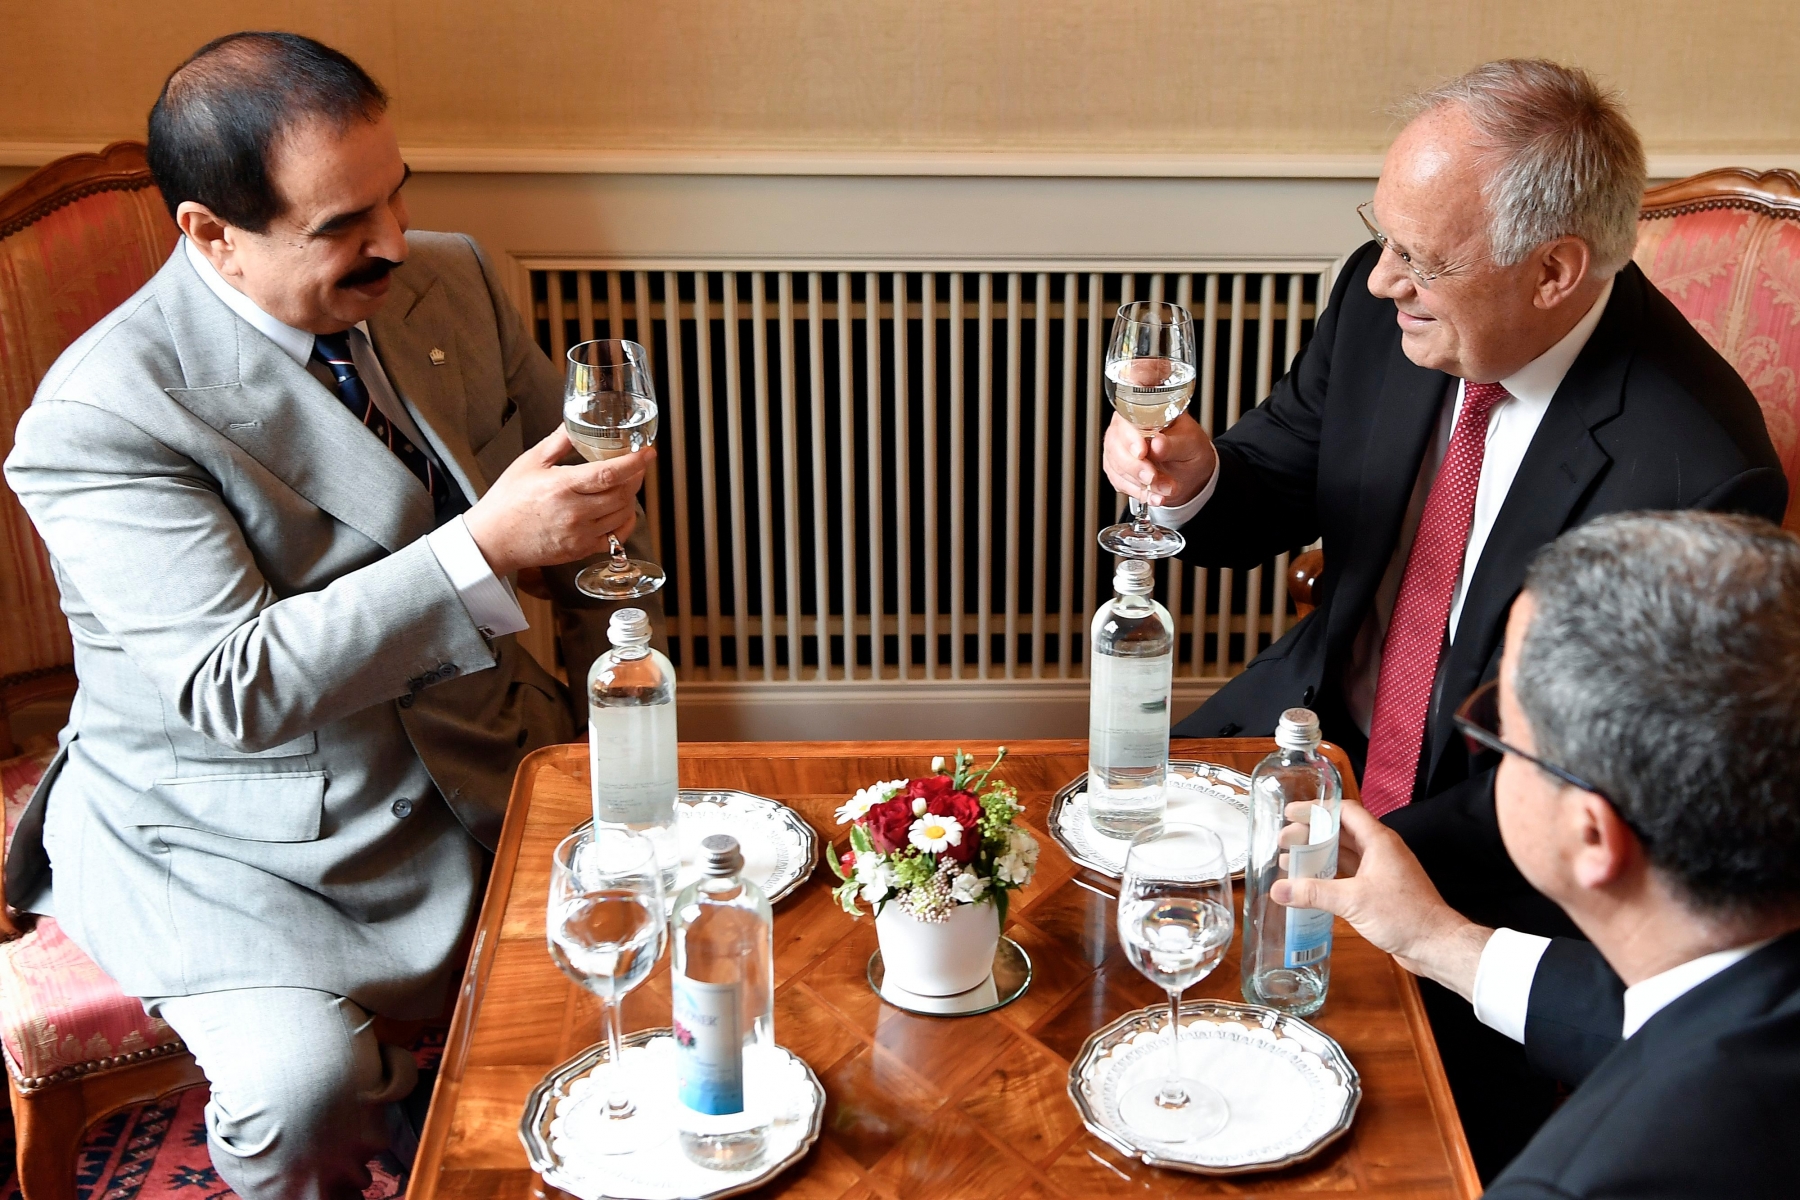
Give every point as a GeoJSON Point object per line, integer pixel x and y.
{"type": "Point", "coordinates": [940, 959]}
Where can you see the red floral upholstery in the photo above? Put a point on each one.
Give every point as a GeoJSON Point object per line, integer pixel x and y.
{"type": "Point", "coordinates": [60, 1015]}
{"type": "Point", "coordinates": [1735, 273]}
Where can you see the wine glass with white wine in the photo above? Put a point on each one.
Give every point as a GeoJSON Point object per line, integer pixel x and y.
{"type": "Point", "coordinates": [609, 409]}
{"type": "Point", "coordinates": [1150, 376]}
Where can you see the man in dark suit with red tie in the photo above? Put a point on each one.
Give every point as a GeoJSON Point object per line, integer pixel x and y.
{"type": "Point", "coordinates": [1491, 370]}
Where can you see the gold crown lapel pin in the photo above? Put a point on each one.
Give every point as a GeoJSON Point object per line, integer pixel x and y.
{"type": "Point", "coordinates": [437, 357]}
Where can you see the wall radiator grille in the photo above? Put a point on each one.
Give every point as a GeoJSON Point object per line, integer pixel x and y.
{"type": "Point", "coordinates": [894, 475]}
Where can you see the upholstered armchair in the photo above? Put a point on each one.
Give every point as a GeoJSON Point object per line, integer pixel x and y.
{"type": "Point", "coordinates": [1725, 247]}
{"type": "Point", "coordinates": [76, 239]}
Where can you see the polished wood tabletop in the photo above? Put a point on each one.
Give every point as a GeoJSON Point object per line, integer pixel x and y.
{"type": "Point", "coordinates": [916, 1107]}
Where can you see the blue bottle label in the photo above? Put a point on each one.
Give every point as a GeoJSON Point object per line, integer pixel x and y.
{"type": "Point", "coordinates": [1309, 929]}
{"type": "Point", "coordinates": [709, 1040]}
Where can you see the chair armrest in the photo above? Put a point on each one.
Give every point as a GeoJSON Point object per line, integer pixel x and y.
{"type": "Point", "coordinates": [1303, 573]}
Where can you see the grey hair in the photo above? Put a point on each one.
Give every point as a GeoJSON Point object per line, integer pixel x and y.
{"type": "Point", "coordinates": [1566, 160]}
{"type": "Point", "coordinates": [1662, 665]}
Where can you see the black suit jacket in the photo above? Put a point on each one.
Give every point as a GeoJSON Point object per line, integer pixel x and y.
{"type": "Point", "coordinates": [1648, 417]}
{"type": "Point", "coordinates": [1704, 1100]}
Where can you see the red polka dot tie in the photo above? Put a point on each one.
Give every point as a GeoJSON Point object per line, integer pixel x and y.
{"type": "Point", "coordinates": [1415, 635]}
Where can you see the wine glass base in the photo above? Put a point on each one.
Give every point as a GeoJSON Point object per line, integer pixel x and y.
{"type": "Point", "coordinates": [1141, 540]}
{"type": "Point", "coordinates": [602, 582]}
{"type": "Point", "coordinates": [1204, 1114]}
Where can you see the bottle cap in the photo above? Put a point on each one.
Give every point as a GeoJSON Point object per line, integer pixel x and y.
{"type": "Point", "coordinates": [1135, 577]}
{"type": "Point", "coordinates": [628, 625]}
{"type": "Point", "coordinates": [1298, 730]}
{"type": "Point", "coordinates": [722, 855]}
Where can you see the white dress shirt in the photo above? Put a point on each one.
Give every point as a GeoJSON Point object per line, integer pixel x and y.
{"type": "Point", "coordinates": [1511, 425]}
{"type": "Point", "coordinates": [488, 598]}
{"type": "Point", "coordinates": [1510, 960]}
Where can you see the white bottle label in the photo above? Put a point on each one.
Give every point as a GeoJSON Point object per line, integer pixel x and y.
{"type": "Point", "coordinates": [632, 762]}
{"type": "Point", "coordinates": [709, 1040]}
{"type": "Point", "coordinates": [1128, 713]}
{"type": "Point", "coordinates": [1309, 929]}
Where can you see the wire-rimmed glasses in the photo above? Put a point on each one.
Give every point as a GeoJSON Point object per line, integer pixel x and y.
{"type": "Point", "coordinates": [1388, 244]}
{"type": "Point", "coordinates": [1175, 922]}
{"type": "Point", "coordinates": [1150, 377]}
{"type": "Point", "coordinates": [606, 928]}
{"type": "Point", "coordinates": [609, 409]}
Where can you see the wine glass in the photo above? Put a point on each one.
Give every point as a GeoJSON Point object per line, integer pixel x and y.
{"type": "Point", "coordinates": [606, 930]}
{"type": "Point", "coordinates": [609, 409]}
{"type": "Point", "coordinates": [1150, 378]}
{"type": "Point", "coordinates": [1175, 922]}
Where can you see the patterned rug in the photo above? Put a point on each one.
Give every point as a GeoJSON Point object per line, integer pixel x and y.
{"type": "Point", "coordinates": [158, 1152]}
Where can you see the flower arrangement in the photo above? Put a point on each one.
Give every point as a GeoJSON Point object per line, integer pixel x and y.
{"type": "Point", "coordinates": [934, 842]}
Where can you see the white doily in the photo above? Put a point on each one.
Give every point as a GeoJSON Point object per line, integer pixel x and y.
{"type": "Point", "coordinates": [774, 1082]}
{"type": "Point", "coordinates": [1283, 1097]}
{"type": "Point", "coordinates": [1195, 800]}
{"type": "Point", "coordinates": [776, 854]}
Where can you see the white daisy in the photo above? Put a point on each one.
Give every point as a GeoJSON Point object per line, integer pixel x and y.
{"type": "Point", "coordinates": [967, 887]}
{"type": "Point", "coordinates": [866, 799]}
{"type": "Point", "coordinates": [934, 834]}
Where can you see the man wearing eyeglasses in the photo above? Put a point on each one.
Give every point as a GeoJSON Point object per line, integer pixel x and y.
{"type": "Point", "coordinates": [1492, 370]}
{"type": "Point", "coordinates": [1650, 786]}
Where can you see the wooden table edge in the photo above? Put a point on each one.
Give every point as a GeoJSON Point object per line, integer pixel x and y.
{"type": "Point", "coordinates": [426, 1164]}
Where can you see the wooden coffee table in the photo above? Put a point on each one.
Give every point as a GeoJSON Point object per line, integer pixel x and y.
{"type": "Point", "coordinates": [916, 1107]}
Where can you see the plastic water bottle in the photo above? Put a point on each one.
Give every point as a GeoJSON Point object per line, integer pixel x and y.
{"type": "Point", "coordinates": [1287, 951]}
{"type": "Point", "coordinates": [631, 738]}
{"type": "Point", "coordinates": [1133, 670]}
{"type": "Point", "coordinates": [723, 981]}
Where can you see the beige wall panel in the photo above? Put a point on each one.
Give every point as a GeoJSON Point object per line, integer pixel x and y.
{"type": "Point", "coordinates": [1155, 77]}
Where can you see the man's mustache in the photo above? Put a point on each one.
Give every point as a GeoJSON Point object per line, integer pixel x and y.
{"type": "Point", "coordinates": [374, 269]}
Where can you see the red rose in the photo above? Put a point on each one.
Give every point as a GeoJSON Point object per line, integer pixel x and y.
{"type": "Point", "coordinates": [967, 811]}
{"type": "Point", "coordinates": [929, 788]}
{"type": "Point", "coordinates": [888, 822]}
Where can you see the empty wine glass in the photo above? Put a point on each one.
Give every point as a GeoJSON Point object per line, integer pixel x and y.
{"type": "Point", "coordinates": [606, 930]}
{"type": "Point", "coordinates": [1150, 378]}
{"type": "Point", "coordinates": [1175, 921]}
{"type": "Point", "coordinates": [609, 409]}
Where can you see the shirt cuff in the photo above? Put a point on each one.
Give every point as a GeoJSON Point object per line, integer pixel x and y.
{"type": "Point", "coordinates": [491, 603]}
{"type": "Point", "coordinates": [1509, 963]}
{"type": "Point", "coordinates": [1175, 518]}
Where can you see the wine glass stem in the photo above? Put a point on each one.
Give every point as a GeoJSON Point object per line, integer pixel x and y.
{"type": "Point", "coordinates": [1173, 1095]}
{"type": "Point", "coordinates": [619, 565]}
{"type": "Point", "coordinates": [618, 1104]}
{"type": "Point", "coordinates": [1140, 513]}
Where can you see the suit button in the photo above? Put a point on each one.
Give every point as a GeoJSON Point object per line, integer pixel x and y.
{"type": "Point", "coordinates": [448, 671]}
{"type": "Point", "coordinates": [402, 808]}
{"type": "Point", "coordinates": [1306, 697]}
{"type": "Point", "coordinates": [406, 701]}
{"type": "Point", "coordinates": [1229, 729]}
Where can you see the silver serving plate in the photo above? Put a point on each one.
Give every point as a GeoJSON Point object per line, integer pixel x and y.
{"type": "Point", "coordinates": [1223, 783]}
{"type": "Point", "coordinates": [789, 873]}
{"type": "Point", "coordinates": [1247, 1016]}
{"type": "Point", "coordinates": [1008, 981]}
{"type": "Point", "coordinates": [540, 1111]}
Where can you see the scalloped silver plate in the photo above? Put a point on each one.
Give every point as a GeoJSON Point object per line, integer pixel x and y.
{"type": "Point", "coordinates": [1335, 1082]}
{"type": "Point", "coordinates": [1194, 782]}
{"type": "Point", "coordinates": [540, 1111]}
{"type": "Point", "coordinates": [774, 837]}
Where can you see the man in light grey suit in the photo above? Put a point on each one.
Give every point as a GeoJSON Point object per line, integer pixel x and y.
{"type": "Point", "coordinates": [283, 487]}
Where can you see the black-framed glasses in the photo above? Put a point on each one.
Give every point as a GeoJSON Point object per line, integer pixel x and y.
{"type": "Point", "coordinates": [1478, 720]}
{"type": "Point", "coordinates": [1388, 244]}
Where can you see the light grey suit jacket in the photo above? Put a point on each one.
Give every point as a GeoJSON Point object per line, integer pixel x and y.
{"type": "Point", "coordinates": [290, 740]}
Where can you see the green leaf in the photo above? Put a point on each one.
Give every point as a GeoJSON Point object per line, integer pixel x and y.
{"type": "Point", "coordinates": [859, 840]}
{"type": "Point", "coordinates": [1000, 900]}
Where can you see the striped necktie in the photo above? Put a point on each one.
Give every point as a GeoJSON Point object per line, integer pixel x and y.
{"type": "Point", "coordinates": [333, 349]}
{"type": "Point", "coordinates": [1415, 635]}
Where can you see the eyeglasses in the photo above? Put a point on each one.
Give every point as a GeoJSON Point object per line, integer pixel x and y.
{"type": "Point", "coordinates": [1388, 244]}
{"type": "Point", "coordinates": [1478, 720]}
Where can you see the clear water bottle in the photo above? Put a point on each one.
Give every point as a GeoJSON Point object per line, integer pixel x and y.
{"type": "Point", "coordinates": [1133, 670]}
{"type": "Point", "coordinates": [1295, 802]}
{"type": "Point", "coordinates": [723, 980]}
{"type": "Point", "coordinates": [631, 738]}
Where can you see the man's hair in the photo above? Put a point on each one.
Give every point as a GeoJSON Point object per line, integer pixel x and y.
{"type": "Point", "coordinates": [1662, 665]}
{"type": "Point", "coordinates": [1565, 160]}
{"type": "Point", "coordinates": [222, 113]}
